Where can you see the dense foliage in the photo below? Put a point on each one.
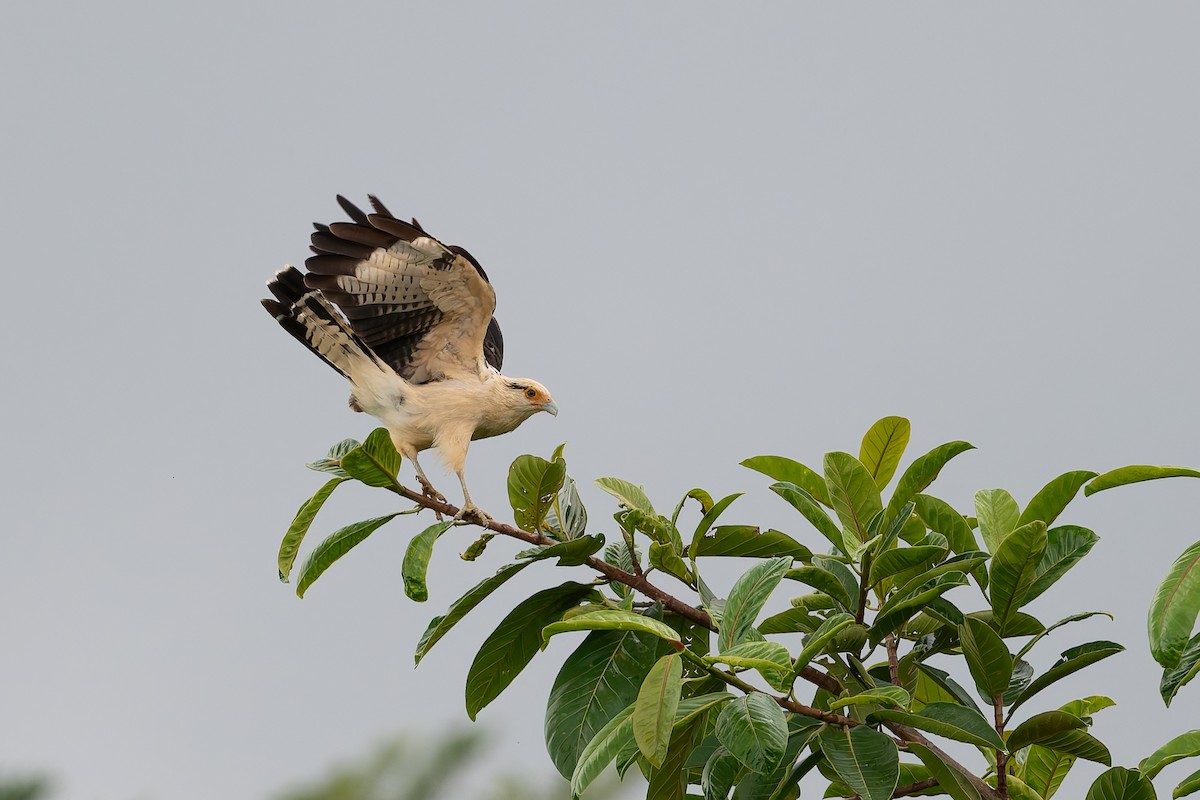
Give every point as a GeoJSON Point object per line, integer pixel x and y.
{"type": "Point", "coordinates": [705, 696]}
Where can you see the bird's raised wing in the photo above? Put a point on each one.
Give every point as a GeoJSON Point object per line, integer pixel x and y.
{"type": "Point", "coordinates": [423, 307]}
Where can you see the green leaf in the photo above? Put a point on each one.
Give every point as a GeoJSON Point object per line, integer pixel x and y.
{"type": "Point", "coordinates": [690, 708]}
{"type": "Point", "coordinates": [665, 559]}
{"type": "Point", "coordinates": [940, 517]}
{"type": "Point", "coordinates": [1119, 783]}
{"type": "Point", "coordinates": [950, 780]}
{"type": "Point", "coordinates": [782, 783]}
{"type": "Point", "coordinates": [923, 472]}
{"type": "Point", "coordinates": [1048, 503]}
{"type": "Point", "coordinates": [883, 447]}
{"type": "Point", "coordinates": [375, 462]}
{"type": "Point", "coordinates": [440, 626]}
{"type": "Point", "coordinates": [853, 492]}
{"type": "Point", "coordinates": [709, 519]}
{"type": "Point", "coordinates": [613, 620]}
{"type": "Point", "coordinates": [788, 471]}
{"type": "Point", "coordinates": [754, 729]}
{"type": "Point", "coordinates": [533, 486]}
{"type": "Point", "coordinates": [793, 620]}
{"type": "Point", "coordinates": [331, 463]}
{"type": "Point", "coordinates": [654, 711]}
{"type": "Point", "coordinates": [754, 655]}
{"type": "Point", "coordinates": [1044, 770]}
{"type": "Point", "coordinates": [515, 640]}
{"type": "Point", "coordinates": [747, 597]}
{"type": "Point", "coordinates": [822, 580]}
{"type": "Point", "coordinates": [416, 560]}
{"type": "Point", "coordinates": [1014, 569]}
{"type": "Point", "coordinates": [570, 553]}
{"type": "Point", "coordinates": [300, 525]}
{"type": "Point", "coordinates": [601, 750]}
{"type": "Point", "coordinates": [1134, 474]}
{"type": "Point", "coordinates": [865, 760]}
{"type": "Point", "coordinates": [988, 659]}
{"type": "Point", "coordinates": [567, 517]}
{"type": "Point", "coordinates": [598, 680]}
{"type": "Point", "coordinates": [806, 504]}
{"type": "Point", "coordinates": [964, 563]}
{"type": "Point", "coordinates": [1079, 744]}
{"type": "Point", "coordinates": [1066, 621]}
{"type": "Point", "coordinates": [900, 608]}
{"type": "Point", "coordinates": [1017, 790]}
{"type": "Point", "coordinates": [1065, 545]}
{"type": "Point", "coordinates": [997, 513]}
{"type": "Point", "coordinates": [670, 781]}
{"type": "Point", "coordinates": [1041, 727]}
{"type": "Point", "coordinates": [1175, 678]}
{"type": "Point", "coordinates": [947, 719]}
{"type": "Point", "coordinates": [336, 545]}
{"type": "Point", "coordinates": [1174, 608]}
{"type": "Point", "coordinates": [1185, 745]}
{"type": "Point", "coordinates": [816, 643]}
{"type": "Point", "coordinates": [1189, 785]}
{"type": "Point", "coordinates": [1071, 661]}
{"type": "Point", "coordinates": [949, 688]}
{"type": "Point", "coordinates": [900, 559]}
{"type": "Point", "coordinates": [892, 696]}
{"type": "Point", "coordinates": [747, 541]}
{"type": "Point", "coordinates": [721, 772]}
{"type": "Point", "coordinates": [627, 494]}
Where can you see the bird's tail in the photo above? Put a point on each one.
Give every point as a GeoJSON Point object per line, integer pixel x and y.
{"type": "Point", "coordinates": [309, 317]}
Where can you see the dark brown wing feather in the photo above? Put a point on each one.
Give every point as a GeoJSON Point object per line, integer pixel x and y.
{"type": "Point", "coordinates": [391, 316]}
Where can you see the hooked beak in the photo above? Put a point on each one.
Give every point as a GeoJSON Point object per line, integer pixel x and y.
{"type": "Point", "coordinates": [551, 408]}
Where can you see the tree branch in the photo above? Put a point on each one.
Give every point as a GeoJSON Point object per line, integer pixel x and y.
{"type": "Point", "coordinates": [677, 606]}
{"type": "Point", "coordinates": [914, 788]}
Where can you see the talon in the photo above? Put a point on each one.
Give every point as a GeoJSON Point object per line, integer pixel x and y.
{"type": "Point", "coordinates": [473, 513]}
{"type": "Point", "coordinates": [430, 492]}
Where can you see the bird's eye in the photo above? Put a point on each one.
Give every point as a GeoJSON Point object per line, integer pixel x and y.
{"type": "Point", "coordinates": [531, 393]}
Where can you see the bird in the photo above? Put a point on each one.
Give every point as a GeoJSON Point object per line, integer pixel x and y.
{"type": "Point", "coordinates": [409, 322]}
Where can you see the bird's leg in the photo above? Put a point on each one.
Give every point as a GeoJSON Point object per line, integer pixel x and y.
{"type": "Point", "coordinates": [426, 487]}
{"type": "Point", "coordinates": [469, 510]}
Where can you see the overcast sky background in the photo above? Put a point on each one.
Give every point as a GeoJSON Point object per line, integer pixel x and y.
{"type": "Point", "coordinates": [714, 232]}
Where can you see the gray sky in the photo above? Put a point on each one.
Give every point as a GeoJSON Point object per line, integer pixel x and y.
{"type": "Point", "coordinates": [714, 233]}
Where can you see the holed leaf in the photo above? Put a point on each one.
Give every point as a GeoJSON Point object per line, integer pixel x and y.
{"type": "Point", "coordinates": [533, 487]}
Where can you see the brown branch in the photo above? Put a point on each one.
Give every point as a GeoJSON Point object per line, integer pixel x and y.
{"type": "Point", "coordinates": [1001, 757]}
{"type": "Point", "coordinates": [677, 606]}
{"type": "Point", "coordinates": [908, 734]}
{"type": "Point", "coordinates": [893, 658]}
{"type": "Point", "coordinates": [914, 788]}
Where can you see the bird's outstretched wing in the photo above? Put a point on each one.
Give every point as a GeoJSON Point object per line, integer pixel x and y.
{"type": "Point", "coordinates": [423, 307]}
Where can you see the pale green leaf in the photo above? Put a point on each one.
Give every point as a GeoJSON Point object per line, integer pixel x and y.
{"type": "Point", "coordinates": [853, 492]}
{"type": "Point", "coordinates": [788, 471]}
{"type": "Point", "coordinates": [866, 760]}
{"type": "Point", "coordinates": [613, 620]}
{"type": "Point", "coordinates": [747, 541]}
{"type": "Point", "coordinates": [533, 486]}
{"type": "Point", "coordinates": [950, 720]}
{"type": "Point", "coordinates": [746, 599]}
{"type": "Point", "coordinates": [1176, 677]}
{"type": "Point", "coordinates": [1050, 501]}
{"type": "Point", "coordinates": [922, 472]}
{"type": "Point", "coordinates": [375, 462]}
{"type": "Point", "coordinates": [805, 502]}
{"type": "Point", "coordinates": [1185, 745]}
{"type": "Point", "coordinates": [627, 494]}
{"type": "Point", "coordinates": [997, 513]}
{"type": "Point", "coordinates": [883, 446]}
{"type": "Point", "coordinates": [654, 710]}
{"type": "Point", "coordinates": [1135, 474]}
{"type": "Point", "coordinates": [602, 749]}
{"type": "Point", "coordinates": [1174, 608]}
{"type": "Point", "coordinates": [754, 729]}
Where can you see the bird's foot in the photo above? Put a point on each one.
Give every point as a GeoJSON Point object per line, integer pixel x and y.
{"type": "Point", "coordinates": [428, 491]}
{"type": "Point", "coordinates": [472, 513]}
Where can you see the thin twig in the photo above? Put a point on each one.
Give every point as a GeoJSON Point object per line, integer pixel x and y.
{"type": "Point", "coordinates": [682, 609]}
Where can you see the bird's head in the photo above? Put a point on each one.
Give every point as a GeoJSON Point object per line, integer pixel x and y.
{"type": "Point", "coordinates": [530, 397]}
